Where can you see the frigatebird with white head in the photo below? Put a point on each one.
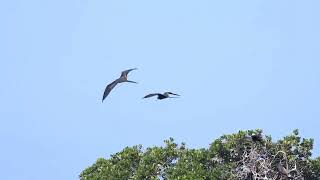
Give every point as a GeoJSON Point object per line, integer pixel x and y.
{"type": "Point", "coordinates": [123, 78]}
{"type": "Point", "coordinates": [162, 96]}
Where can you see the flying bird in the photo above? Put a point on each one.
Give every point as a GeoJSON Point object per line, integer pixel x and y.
{"type": "Point", "coordinates": [162, 96]}
{"type": "Point", "coordinates": [123, 78]}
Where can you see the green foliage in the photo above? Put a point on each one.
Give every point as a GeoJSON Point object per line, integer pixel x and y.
{"type": "Point", "coordinates": [297, 150]}
{"type": "Point", "coordinates": [120, 166]}
{"type": "Point", "coordinates": [224, 159]}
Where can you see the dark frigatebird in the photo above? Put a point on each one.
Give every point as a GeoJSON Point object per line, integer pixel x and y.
{"type": "Point", "coordinates": [257, 137]}
{"type": "Point", "coordinates": [162, 96]}
{"type": "Point", "coordinates": [121, 79]}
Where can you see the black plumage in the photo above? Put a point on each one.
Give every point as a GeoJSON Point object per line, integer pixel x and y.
{"type": "Point", "coordinates": [162, 96]}
{"type": "Point", "coordinates": [123, 78]}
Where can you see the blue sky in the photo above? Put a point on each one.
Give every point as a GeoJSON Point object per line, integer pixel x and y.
{"type": "Point", "coordinates": [237, 64]}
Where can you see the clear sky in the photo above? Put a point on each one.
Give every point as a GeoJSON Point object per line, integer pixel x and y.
{"type": "Point", "coordinates": [237, 64]}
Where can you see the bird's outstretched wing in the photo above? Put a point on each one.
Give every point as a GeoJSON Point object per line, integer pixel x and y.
{"type": "Point", "coordinates": [109, 88]}
{"type": "Point", "coordinates": [173, 94]}
{"type": "Point", "coordinates": [151, 95]}
{"type": "Point", "coordinates": [126, 72]}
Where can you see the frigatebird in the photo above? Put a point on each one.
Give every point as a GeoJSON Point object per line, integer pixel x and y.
{"type": "Point", "coordinates": [162, 96]}
{"type": "Point", "coordinates": [257, 137]}
{"type": "Point", "coordinates": [123, 78]}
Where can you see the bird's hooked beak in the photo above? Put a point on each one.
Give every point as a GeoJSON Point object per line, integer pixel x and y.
{"type": "Point", "coordinates": [174, 94]}
{"type": "Point", "coordinates": [131, 82]}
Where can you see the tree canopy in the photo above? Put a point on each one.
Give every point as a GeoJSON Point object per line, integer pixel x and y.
{"type": "Point", "coordinates": [244, 155]}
